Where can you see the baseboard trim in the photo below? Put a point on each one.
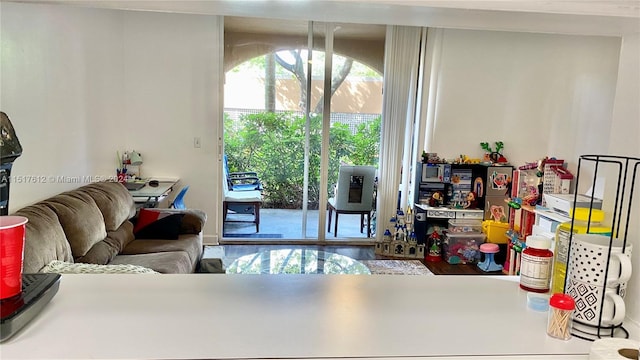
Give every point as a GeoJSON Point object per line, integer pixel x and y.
{"type": "Point", "coordinates": [210, 240]}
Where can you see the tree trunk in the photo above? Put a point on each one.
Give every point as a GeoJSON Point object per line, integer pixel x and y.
{"type": "Point", "coordinates": [336, 81]}
{"type": "Point", "coordinates": [270, 82]}
{"type": "Point", "coordinates": [297, 69]}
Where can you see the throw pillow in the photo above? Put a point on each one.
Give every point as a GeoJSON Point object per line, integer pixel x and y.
{"type": "Point", "coordinates": [153, 224]}
{"type": "Point", "coordinates": [62, 267]}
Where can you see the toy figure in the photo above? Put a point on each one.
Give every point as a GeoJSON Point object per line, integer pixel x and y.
{"type": "Point", "coordinates": [435, 250]}
{"type": "Point", "coordinates": [540, 175]}
{"type": "Point", "coordinates": [515, 203]}
{"type": "Point", "coordinates": [509, 187]}
{"type": "Point", "coordinates": [494, 156]}
{"type": "Point", "coordinates": [497, 213]}
{"type": "Point", "coordinates": [533, 197]}
{"type": "Point", "coordinates": [470, 254]}
{"type": "Point", "coordinates": [425, 157]}
{"type": "Point", "coordinates": [437, 199]}
{"type": "Point", "coordinates": [478, 187]}
{"type": "Point", "coordinates": [472, 201]}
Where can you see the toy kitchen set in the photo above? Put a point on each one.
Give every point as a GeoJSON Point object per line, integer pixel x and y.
{"type": "Point", "coordinates": [457, 197]}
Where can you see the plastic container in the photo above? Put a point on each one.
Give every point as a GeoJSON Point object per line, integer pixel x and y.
{"type": "Point", "coordinates": [535, 264]}
{"type": "Point", "coordinates": [495, 231]}
{"type": "Point", "coordinates": [462, 248]}
{"type": "Point", "coordinates": [559, 322]}
{"type": "Point", "coordinates": [538, 302]}
{"type": "Point", "coordinates": [457, 225]}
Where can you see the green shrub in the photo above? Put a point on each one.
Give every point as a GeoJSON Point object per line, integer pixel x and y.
{"type": "Point", "coordinates": [272, 144]}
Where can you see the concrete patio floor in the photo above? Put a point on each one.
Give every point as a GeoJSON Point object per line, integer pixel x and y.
{"type": "Point", "coordinates": [286, 225]}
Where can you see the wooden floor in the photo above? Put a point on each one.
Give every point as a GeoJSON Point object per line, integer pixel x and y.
{"type": "Point", "coordinates": [444, 268]}
{"type": "Point", "coordinates": [358, 252]}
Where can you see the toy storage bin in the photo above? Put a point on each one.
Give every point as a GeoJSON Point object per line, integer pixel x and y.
{"type": "Point", "coordinates": [461, 226]}
{"type": "Point", "coordinates": [462, 248]}
{"type": "Point", "coordinates": [495, 231]}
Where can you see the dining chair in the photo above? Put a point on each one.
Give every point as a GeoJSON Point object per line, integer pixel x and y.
{"type": "Point", "coordinates": [353, 195]}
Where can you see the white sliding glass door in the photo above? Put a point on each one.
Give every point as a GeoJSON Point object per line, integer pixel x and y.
{"type": "Point", "coordinates": [294, 110]}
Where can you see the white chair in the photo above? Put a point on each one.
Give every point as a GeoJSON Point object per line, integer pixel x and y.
{"type": "Point", "coordinates": [353, 195]}
{"type": "Point", "coordinates": [251, 198]}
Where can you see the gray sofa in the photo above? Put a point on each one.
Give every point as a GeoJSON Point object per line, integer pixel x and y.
{"type": "Point", "coordinates": [92, 224]}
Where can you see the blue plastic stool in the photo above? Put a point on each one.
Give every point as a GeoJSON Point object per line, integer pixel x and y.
{"type": "Point", "coordinates": [488, 264]}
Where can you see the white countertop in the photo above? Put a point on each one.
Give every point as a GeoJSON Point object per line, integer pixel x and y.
{"type": "Point", "coordinates": [288, 316]}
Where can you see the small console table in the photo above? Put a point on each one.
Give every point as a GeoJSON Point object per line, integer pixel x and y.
{"type": "Point", "coordinates": [150, 196]}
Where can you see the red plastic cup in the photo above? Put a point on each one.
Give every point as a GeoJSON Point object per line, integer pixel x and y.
{"type": "Point", "coordinates": [12, 232]}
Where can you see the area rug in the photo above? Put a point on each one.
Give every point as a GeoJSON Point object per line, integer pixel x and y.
{"type": "Point", "coordinates": [254, 236]}
{"type": "Point", "coordinates": [396, 267]}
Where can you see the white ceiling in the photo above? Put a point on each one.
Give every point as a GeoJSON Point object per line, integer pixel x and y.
{"type": "Point", "coordinates": [589, 17]}
{"type": "Point", "coordinates": [621, 8]}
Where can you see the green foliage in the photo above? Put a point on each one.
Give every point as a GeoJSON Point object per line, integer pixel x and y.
{"type": "Point", "coordinates": [272, 144]}
{"type": "Point", "coordinates": [366, 150]}
{"type": "Point", "coordinates": [499, 146]}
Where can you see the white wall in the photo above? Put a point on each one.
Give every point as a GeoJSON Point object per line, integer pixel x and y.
{"type": "Point", "coordinates": [170, 64]}
{"type": "Point", "coordinates": [625, 141]}
{"type": "Point", "coordinates": [81, 84]}
{"type": "Point", "coordinates": [539, 94]}
{"type": "Point", "coordinates": [61, 73]}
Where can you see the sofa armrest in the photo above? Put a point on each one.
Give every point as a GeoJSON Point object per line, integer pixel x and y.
{"type": "Point", "coordinates": [192, 222]}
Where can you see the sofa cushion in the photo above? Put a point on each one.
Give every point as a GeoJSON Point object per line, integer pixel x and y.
{"type": "Point", "coordinates": [45, 238]}
{"type": "Point", "coordinates": [153, 224]}
{"type": "Point", "coordinates": [81, 220]}
{"type": "Point", "coordinates": [189, 243]}
{"type": "Point", "coordinates": [62, 267]}
{"type": "Point", "coordinates": [114, 201]}
{"type": "Point", "coordinates": [174, 262]}
{"type": "Point", "coordinates": [104, 251]}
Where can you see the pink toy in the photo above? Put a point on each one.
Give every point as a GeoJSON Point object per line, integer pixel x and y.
{"type": "Point", "coordinates": [489, 248]}
{"type": "Point", "coordinates": [489, 264]}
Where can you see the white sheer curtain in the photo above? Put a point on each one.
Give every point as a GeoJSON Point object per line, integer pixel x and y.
{"type": "Point", "coordinates": [401, 58]}
{"type": "Point", "coordinates": [430, 84]}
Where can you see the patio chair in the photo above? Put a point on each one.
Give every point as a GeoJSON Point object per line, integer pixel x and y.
{"type": "Point", "coordinates": [248, 201]}
{"type": "Point", "coordinates": [178, 202]}
{"type": "Point", "coordinates": [353, 195]}
{"type": "Point", "coordinates": [242, 181]}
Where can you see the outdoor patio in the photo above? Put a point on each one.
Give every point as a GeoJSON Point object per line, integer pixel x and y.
{"type": "Point", "coordinates": [282, 225]}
